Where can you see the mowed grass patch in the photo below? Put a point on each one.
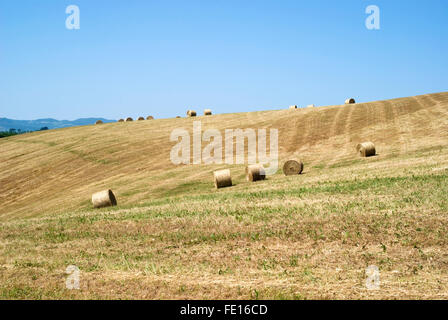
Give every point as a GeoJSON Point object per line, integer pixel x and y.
{"type": "Point", "coordinates": [260, 244]}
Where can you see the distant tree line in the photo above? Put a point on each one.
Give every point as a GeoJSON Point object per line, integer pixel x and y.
{"type": "Point", "coordinates": [13, 132]}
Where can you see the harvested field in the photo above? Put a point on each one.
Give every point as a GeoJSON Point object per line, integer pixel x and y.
{"type": "Point", "coordinates": [174, 235]}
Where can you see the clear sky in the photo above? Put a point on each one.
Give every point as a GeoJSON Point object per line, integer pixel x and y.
{"type": "Point", "coordinates": [132, 58]}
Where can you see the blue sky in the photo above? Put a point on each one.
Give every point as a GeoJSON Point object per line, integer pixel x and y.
{"type": "Point", "coordinates": [132, 58]}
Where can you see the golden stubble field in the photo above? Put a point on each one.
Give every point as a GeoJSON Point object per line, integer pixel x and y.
{"type": "Point", "coordinates": [174, 236]}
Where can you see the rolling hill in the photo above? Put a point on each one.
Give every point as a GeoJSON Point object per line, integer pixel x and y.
{"type": "Point", "coordinates": [174, 236]}
{"type": "Point", "coordinates": [33, 125]}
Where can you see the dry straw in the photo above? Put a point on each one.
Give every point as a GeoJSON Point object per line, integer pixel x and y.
{"type": "Point", "coordinates": [98, 122]}
{"type": "Point", "coordinates": [191, 113]}
{"type": "Point", "coordinates": [129, 119]}
{"type": "Point", "coordinates": [103, 199]}
{"type": "Point", "coordinates": [207, 112]}
{"type": "Point", "coordinates": [292, 167]}
{"type": "Point", "coordinates": [350, 101]}
{"type": "Point", "coordinates": [255, 172]}
{"type": "Point", "coordinates": [366, 149]}
{"type": "Point", "coordinates": [222, 178]}
{"type": "Point", "coordinates": [149, 118]}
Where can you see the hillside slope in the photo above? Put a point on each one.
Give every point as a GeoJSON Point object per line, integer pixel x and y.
{"type": "Point", "coordinates": [58, 170]}
{"type": "Point", "coordinates": [173, 236]}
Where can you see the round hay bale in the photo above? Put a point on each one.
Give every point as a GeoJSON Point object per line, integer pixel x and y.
{"type": "Point", "coordinates": [255, 172]}
{"type": "Point", "coordinates": [207, 112]}
{"type": "Point", "coordinates": [222, 178]}
{"type": "Point", "coordinates": [366, 149]}
{"type": "Point", "coordinates": [129, 119]}
{"type": "Point", "coordinates": [178, 116]}
{"type": "Point", "coordinates": [293, 107]}
{"type": "Point", "coordinates": [292, 167]}
{"type": "Point", "coordinates": [120, 120]}
{"type": "Point", "coordinates": [191, 113]}
{"type": "Point", "coordinates": [105, 198]}
{"type": "Point", "coordinates": [98, 122]}
{"type": "Point", "coordinates": [350, 101]}
{"type": "Point", "coordinates": [149, 118]}
{"type": "Point", "coordinates": [140, 118]}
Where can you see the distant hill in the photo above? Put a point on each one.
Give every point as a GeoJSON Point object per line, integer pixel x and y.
{"type": "Point", "coordinates": [32, 125]}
